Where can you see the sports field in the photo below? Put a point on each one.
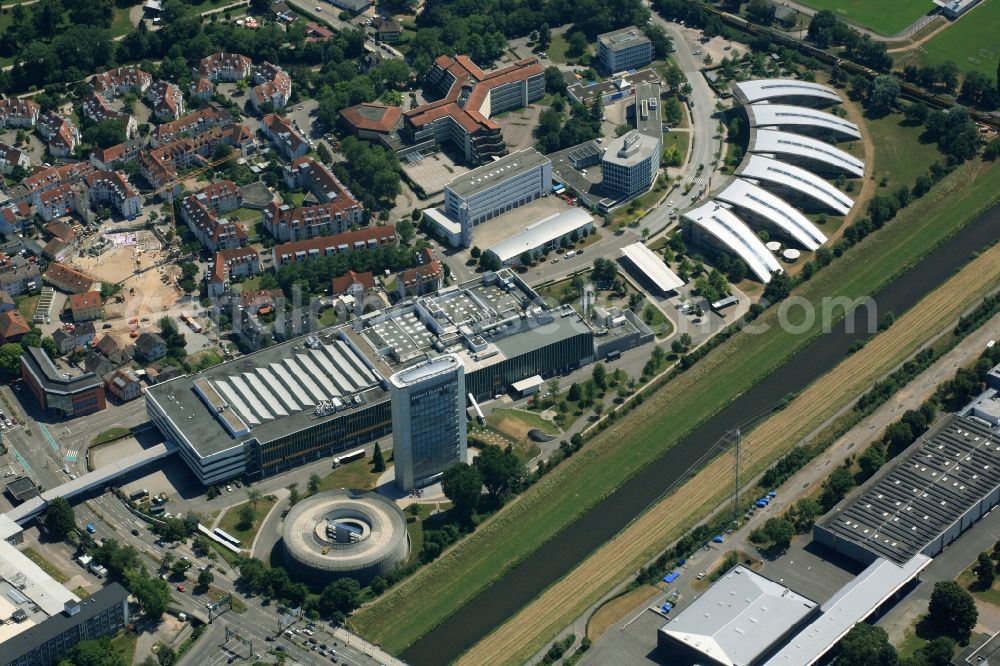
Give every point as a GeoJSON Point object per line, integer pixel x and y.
{"type": "Point", "coordinates": [887, 17]}
{"type": "Point", "coordinates": [971, 42]}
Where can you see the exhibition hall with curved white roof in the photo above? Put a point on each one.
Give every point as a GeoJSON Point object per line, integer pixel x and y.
{"type": "Point", "coordinates": [720, 222]}
{"type": "Point", "coordinates": [774, 209]}
{"type": "Point", "coordinates": [787, 115]}
{"type": "Point", "coordinates": [786, 176]}
{"type": "Point", "coordinates": [781, 143]}
{"type": "Point", "coordinates": [762, 90]}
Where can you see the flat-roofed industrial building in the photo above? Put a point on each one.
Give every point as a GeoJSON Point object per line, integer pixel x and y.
{"type": "Point", "coordinates": [627, 48]}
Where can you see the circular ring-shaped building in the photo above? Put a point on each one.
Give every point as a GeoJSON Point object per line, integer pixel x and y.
{"type": "Point", "coordinates": [344, 532]}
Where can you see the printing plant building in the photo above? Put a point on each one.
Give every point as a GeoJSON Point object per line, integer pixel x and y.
{"type": "Point", "coordinates": [315, 396]}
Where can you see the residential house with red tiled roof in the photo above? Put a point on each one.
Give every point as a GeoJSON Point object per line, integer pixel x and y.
{"type": "Point", "coordinates": [274, 87]}
{"type": "Point", "coordinates": [98, 108]}
{"type": "Point", "coordinates": [425, 278]}
{"type": "Point", "coordinates": [370, 238]}
{"type": "Point", "coordinates": [121, 81]}
{"type": "Point", "coordinates": [113, 189]}
{"type": "Point", "coordinates": [64, 199]}
{"type": "Point", "coordinates": [86, 306]}
{"type": "Point", "coordinates": [166, 99]}
{"type": "Point", "coordinates": [229, 264]}
{"type": "Point", "coordinates": [201, 88]}
{"type": "Point", "coordinates": [12, 158]}
{"type": "Point", "coordinates": [201, 212]}
{"type": "Point", "coordinates": [116, 156]}
{"type": "Point", "coordinates": [317, 33]}
{"type": "Point", "coordinates": [12, 327]}
{"type": "Point", "coordinates": [353, 289]}
{"type": "Point", "coordinates": [314, 176]}
{"type": "Point", "coordinates": [17, 112]}
{"type": "Point", "coordinates": [223, 67]}
{"type": "Point", "coordinates": [68, 279]}
{"type": "Point", "coordinates": [289, 142]}
{"type": "Point", "coordinates": [286, 223]}
{"type": "Point", "coordinates": [187, 125]}
{"type": "Point", "coordinates": [260, 300]}
{"type": "Point", "coordinates": [61, 133]}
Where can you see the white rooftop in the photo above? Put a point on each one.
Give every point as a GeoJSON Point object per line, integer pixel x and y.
{"type": "Point", "coordinates": [850, 605]}
{"type": "Point", "coordinates": [796, 178]}
{"type": "Point", "coordinates": [766, 89]}
{"type": "Point", "coordinates": [745, 194]}
{"type": "Point", "coordinates": [541, 232]}
{"type": "Point", "coordinates": [785, 115]}
{"type": "Point", "coordinates": [781, 142]}
{"type": "Point", "coordinates": [43, 590]}
{"type": "Point", "coordinates": [739, 617]}
{"type": "Point", "coordinates": [652, 267]}
{"type": "Point", "coordinates": [719, 221]}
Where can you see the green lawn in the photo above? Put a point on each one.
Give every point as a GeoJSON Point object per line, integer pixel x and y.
{"type": "Point", "coordinates": [888, 17]}
{"type": "Point", "coordinates": [559, 47]}
{"type": "Point", "coordinates": [967, 579]}
{"type": "Point", "coordinates": [551, 505]}
{"type": "Point", "coordinates": [124, 644]}
{"type": "Point", "coordinates": [680, 139]}
{"type": "Point", "coordinates": [110, 435]}
{"type": "Point", "coordinates": [215, 594]}
{"type": "Point", "coordinates": [356, 474]}
{"type": "Point", "coordinates": [898, 152]}
{"type": "Point", "coordinates": [656, 320]}
{"type": "Point", "coordinates": [26, 306]}
{"type": "Point", "coordinates": [231, 521]}
{"type": "Point", "coordinates": [120, 23]}
{"type": "Point", "coordinates": [45, 565]}
{"type": "Point", "coordinates": [966, 42]}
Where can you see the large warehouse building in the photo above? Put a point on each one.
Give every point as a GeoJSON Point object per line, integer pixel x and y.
{"type": "Point", "coordinates": [946, 482]}
{"type": "Point", "coordinates": [315, 396]}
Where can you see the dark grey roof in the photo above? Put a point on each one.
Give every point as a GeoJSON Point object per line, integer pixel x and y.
{"type": "Point", "coordinates": [50, 379]}
{"type": "Point", "coordinates": [146, 341]}
{"type": "Point", "coordinates": [41, 633]}
{"type": "Point", "coordinates": [906, 506]}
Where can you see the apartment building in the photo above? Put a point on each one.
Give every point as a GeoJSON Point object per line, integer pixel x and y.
{"type": "Point", "coordinates": [56, 393]}
{"type": "Point", "coordinates": [18, 275]}
{"type": "Point", "coordinates": [289, 141]}
{"type": "Point", "coordinates": [370, 238]}
{"type": "Point", "coordinates": [116, 156]}
{"type": "Point", "coordinates": [98, 108]}
{"type": "Point", "coordinates": [120, 81]}
{"type": "Point", "coordinates": [11, 158]}
{"type": "Point", "coordinates": [238, 262]}
{"type": "Point", "coordinates": [624, 49]}
{"type": "Point", "coordinates": [313, 176]}
{"type": "Point", "coordinates": [86, 306]}
{"type": "Point", "coordinates": [60, 133]}
{"type": "Point", "coordinates": [166, 99]}
{"type": "Point", "coordinates": [495, 188]}
{"type": "Point", "coordinates": [201, 213]}
{"type": "Point", "coordinates": [201, 89]}
{"type": "Point", "coordinates": [286, 223]}
{"type": "Point", "coordinates": [110, 188]}
{"type": "Point", "coordinates": [223, 67]}
{"type": "Point", "coordinates": [124, 385]}
{"type": "Point", "coordinates": [471, 97]}
{"type": "Point", "coordinates": [191, 124]}
{"type": "Point", "coordinates": [426, 278]}
{"type": "Point", "coordinates": [159, 166]}
{"type": "Point", "coordinates": [16, 112]}
{"type": "Point", "coordinates": [274, 87]}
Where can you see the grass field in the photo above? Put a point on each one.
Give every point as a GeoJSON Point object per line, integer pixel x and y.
{"type": "Point", "coordinates": [356, 474]}
{"type": "Point", "coordinates": [558, 52]}
{"type": "Point", "coordinates": [45, 565]}
{"type": "Point", "coordinates": [887, 18]}
{"type": "Point", "coordinates": [231, 520]}
{"type": "Point", "coordinates": [680, 139]}
{"type": "Point", "coordinates": [401, 616]}
{"type": "Point", "coordinates": [963, 40]}
{"type": "Point", "coordinates": [967, 579]}
{"type": "Point", "coordinates": [124, 644]}
{"type": "Point", "coordinates": [898, 152]}
{"type": "Point", "coordinates": [26, 306]}
{"type": "Point", "coordinates": [668, 519]}
{"type": "Point", "coordinates": [111, 434]}
{"type": "Point", "coordinates": [615, 610]}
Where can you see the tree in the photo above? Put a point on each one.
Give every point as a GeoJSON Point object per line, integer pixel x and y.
{"type": "Point", "coordinates": [501, 473]}
{"type": "Point", "coordinates": [10, 356]}
{"type": "Point", "coordinates": [778, 288]}
{"type": "Point", "coordinates": [60, 520]}
{"type": "Point", "coordinates": [574, 392]}
{"type": "Point", "coordinates": [105, 133]}
{"type": "Point", "coordinates": [544, 36]}
{"type": "Point", "coordinates": [600, 375]}
{"type": "Point", "coordinates": [883, 94]}
{"type": "Point", "coordinates": [340, 596]}
{"type": "Point", "coordinates": [205, 578]}
{"type": "Point", "coordinates": [94, 653]}
{"type": "Point", "coordinates": [937, 652]}
{"type": "Point", "coordinates": [779, 532]}
{"type": "Point", "coordinates": [407, 232]}
{"type": "Point", "coordinates": [166, 656]}
{"type": "Point", "coordinates": [180, 567]}
{"type": "Point", "coordinates": [246, 515]}
{"type": "Point", "coordinates": [952, 611]}
{"type": "Point", "coordinates": [378, 460]}
{"type": "Point", "coordinates": [985, 571]}
{"type": "Point", "coordinates": [323, 152]}
{"type": "Point", "coordinates": [314, 481]}
{"type": "Point", "coordinates": [761, 11]}
{"type": "Point", "coordinates": [871, 460]}
{"type": "Point", "coordinates": [463, 485]}
{"type": "Point", "coordinates": [916, 113]}
{"type": "Point", "coordinates": [293, 494]}
{"type": "Point", "coordinates": [866, 645]}
{"type": "Point", "coordinates": [554, 81]}
{"type": "Point", "coordinates": [152, 594]}
{"type": "Point", "coordinates": [577, 44]}
{"type": "Point", "coordinates": [253, 495]}
{"type": "Point", "coordinates": [260, 6]}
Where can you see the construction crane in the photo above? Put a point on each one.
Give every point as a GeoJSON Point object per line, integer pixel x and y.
{"type": "Point", "coordinates": [173, 182]}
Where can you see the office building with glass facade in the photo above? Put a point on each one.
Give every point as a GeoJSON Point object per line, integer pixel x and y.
{"type": "Point", "coordinates": [428, 420]}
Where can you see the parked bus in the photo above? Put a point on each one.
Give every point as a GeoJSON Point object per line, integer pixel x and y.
{"type": "Point", "coordinates": [727, 302]}
{"type": "Point", "coordinates": [226, 536]}
{"type": "Point", "coordinates": [348, 457]}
